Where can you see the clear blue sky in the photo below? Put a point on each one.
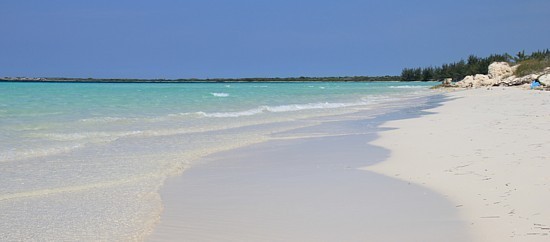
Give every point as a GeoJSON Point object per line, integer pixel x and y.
{"type": "Point", "coordinates": [258, 38]}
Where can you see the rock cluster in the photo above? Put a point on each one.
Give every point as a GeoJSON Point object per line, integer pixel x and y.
{"type": "Point", "coordinates": [545, 78]}
{"type": "Point", "coordinates": [502, 74]}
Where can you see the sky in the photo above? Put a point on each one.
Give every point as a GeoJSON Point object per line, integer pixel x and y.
{"type": "Point", "coordinates": [258, 38]}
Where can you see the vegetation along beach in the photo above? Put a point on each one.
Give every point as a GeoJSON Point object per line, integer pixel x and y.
{"type": "Point", "coordinates": [274, 121]}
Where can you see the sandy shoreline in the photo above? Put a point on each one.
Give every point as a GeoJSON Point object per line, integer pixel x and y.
{"type": "Point", "coordinates": [488, 152]}
{"type": "Point", "coordinates": [306, 185]}
{"type": "Point", "coordinates": [483, 152]}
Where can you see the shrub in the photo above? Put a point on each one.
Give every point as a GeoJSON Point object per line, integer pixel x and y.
{"type": "Point", "coordinates": [531, 66]}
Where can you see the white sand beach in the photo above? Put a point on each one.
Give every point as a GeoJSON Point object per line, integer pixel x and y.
{"type": "Point", "coordinates": [488, 151]}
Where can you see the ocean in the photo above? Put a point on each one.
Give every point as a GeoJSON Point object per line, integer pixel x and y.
{"type": "Point", "coordinates": [86, 160]}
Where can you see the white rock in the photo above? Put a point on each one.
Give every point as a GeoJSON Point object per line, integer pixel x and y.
{"type": "Point", "coordinates": [545, 79]}
{"type": "Point", "coordinates": [523, 80]}
{"type": "Point", "coordinates": [468, 81]}
{"type": "Point", "coordinates": [448, 82]}
{"type": "Point", "coordinates": [506, 81]}
{"type": "Point", "coordinates": [476, 81]}
{"type": "Point", "coordinates": [501, 74]}
{"type": "Point", "coordinates": [499, 71]}
{"type": "Point", "coordinates": [483, 80]}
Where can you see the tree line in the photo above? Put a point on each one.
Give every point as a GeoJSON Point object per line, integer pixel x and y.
{"type": "Point", "coordinates": [210, 80]}
{"type": "Point", "coordinates": [473, 65]}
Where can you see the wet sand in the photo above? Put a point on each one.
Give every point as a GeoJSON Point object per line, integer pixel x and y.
{"type": "Point", "coordinates": [305, 185]}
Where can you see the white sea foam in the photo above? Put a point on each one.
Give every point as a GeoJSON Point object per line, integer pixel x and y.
{"type": "Point", "coordinates": [106, 119]}
{"type": "Point", "coordinates": [97, 136]}
{"type": "Point", "coordinates": [279, 109]}
{"type": "Point", "coordinates": [12, 155]}
{"type": "Point", "coordinates": [101, 120]}
{"type": "Point", "coordinates": [219, 94]}
{"type": "Point", "coordinates": [67, 143]}
{"type": "Point", "coordinates": [35, 114]}
{"type": "Point", "coordinates": [408, 86]}
{"type": "Point", "coordinates": [199, 114]}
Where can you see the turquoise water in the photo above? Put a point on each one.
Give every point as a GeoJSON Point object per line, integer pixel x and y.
{"type": "Point", "coordinates": [87, 100]}
{"type": "Point", "coordinates": [32, 113]}
{"type": "Point", "coordinates": [88, 159]}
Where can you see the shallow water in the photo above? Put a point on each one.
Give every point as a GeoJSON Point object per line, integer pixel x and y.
{"type": "Point", "coordinates": [85, 161]}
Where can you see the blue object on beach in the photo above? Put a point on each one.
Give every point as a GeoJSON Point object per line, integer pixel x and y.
{"type": "Point", "coordinates": [535, 84]}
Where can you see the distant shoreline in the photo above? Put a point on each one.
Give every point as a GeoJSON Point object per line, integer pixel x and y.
{"type": "Point", "coordinates": [214, 80]}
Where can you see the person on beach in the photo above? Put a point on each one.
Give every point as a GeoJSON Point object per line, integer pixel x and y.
{"type": "Point", "coordinates": [536, 83]}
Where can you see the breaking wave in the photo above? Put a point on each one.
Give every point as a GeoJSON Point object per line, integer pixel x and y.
{"type": "Point", "coordinates": [408, 87]}
{"type": "Point", "coordinates": [280, 109]}
{"type": "Point", "coordinates": [219, 94]}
